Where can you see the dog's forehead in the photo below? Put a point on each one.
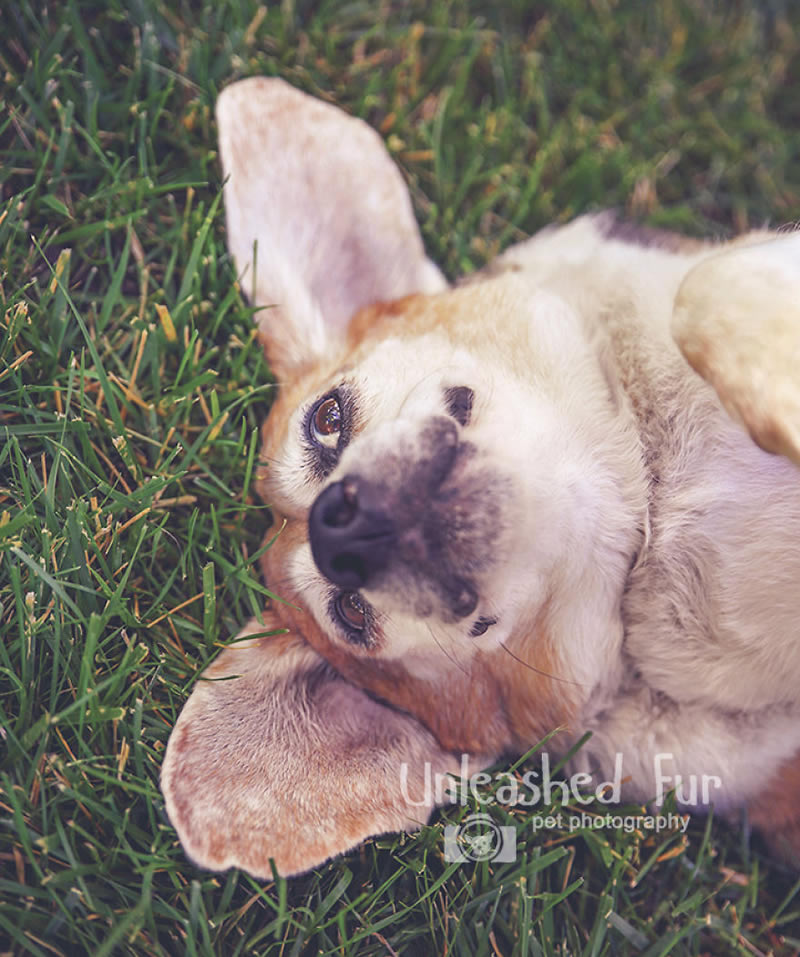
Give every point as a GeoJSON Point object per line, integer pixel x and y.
{"type": "Point", "coordinates": [502, 323]}
{"type": "Point", "coordinates": [487, 323]}
{"type": "Point", "coordinates": [398, 372]}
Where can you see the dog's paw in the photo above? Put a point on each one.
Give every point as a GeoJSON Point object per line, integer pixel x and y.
{"type": "Point", "coordinates": [737, 321]}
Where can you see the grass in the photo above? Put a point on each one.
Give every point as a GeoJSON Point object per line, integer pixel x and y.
{"type": "Point", "coordinates": [131, 392]}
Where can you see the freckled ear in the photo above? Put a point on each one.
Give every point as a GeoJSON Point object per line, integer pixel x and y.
{"type": "Point", "coordinates": [316, 190]}
{"type": "Point", "coordinates": [737, 321]}
{"type": "Point", "coordinates": [276, 756]}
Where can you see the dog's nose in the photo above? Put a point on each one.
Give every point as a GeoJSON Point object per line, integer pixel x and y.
{"type": "Point", "coordinates": [351, 536]}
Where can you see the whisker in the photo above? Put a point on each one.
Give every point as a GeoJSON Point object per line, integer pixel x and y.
{"type": "Point", "coordinates": [444, 652]}
{"type": "Point", "coordinates": [538, 671]}
{"type": "Point", "coordinates": [434, 372]}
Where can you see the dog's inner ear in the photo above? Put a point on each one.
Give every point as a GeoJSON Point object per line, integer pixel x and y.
{"type": "Point", "coordinates": [319, 218]}
{"type": "Point", "coordinates": [276, 756]}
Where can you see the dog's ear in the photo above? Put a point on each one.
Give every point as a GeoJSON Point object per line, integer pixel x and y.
{"type": "Point", "coordinates": [277, 756]}
{"type": "Point", "coordinates": [319, 218]}
{"type": "Point", "coordinates": [737, 321]}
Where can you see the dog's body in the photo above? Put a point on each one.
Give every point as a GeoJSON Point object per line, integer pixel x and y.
{"type": "Point", "coordinates": [509, 506]}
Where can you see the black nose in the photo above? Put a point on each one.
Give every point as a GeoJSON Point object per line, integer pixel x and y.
{"type": "Point", "coordinates": [351, 535]}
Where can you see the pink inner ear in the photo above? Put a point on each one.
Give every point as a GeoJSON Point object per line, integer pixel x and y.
{"type": "Point", "coordinates": [290, 762]}
{"type": "Point", "coordinates": [328, 211]}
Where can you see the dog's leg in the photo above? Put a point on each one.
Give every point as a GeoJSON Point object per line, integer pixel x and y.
{"type": "Point", "coordinates": [737, 320]}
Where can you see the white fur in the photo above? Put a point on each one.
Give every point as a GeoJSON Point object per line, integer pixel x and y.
{"type": "Point", "coordinates": [711, 656]}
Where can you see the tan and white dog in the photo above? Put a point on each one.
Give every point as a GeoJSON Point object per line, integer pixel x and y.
{"type": "Point", "coordinates": [503, 507]}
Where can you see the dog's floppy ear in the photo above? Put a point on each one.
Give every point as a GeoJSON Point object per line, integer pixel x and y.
{"type": "Point", "coordinates": [319, 219]}
{"type": "Point", "coordinates": [277, 756]}
{"type": "Point", "coordinates": [737, 320]}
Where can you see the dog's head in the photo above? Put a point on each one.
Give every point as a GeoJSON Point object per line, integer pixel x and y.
{"type": "Point", "coordinates": [451, 532]}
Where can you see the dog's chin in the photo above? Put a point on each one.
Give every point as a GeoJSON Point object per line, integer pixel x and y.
{"type": "Point", "coordinates": [439, 558]}
{"type": "Point", "coordinates": [441, 563]}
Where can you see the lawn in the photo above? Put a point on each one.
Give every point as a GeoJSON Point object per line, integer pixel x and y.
{"type": "Point", "coordinates": [132, 389]}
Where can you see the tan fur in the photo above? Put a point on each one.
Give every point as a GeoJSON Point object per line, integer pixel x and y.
{"type": "Point", "coordinates": [253, 769]}
{"type": "Point", "coordinates": [635, 555]}
{"type": "Point", "coordinates": [512, 700]}
{"type": "Point", "coordinates": [746, 342]}
{"type": "Point", "coordinates": [775, 811]}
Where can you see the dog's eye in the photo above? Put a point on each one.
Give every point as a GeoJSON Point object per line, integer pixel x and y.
{"type": "Point", "coordinates": [352, 612]}
{"type": "Point", "coordinates": [325, 423]}
{"type": "Point", "coordinates": [327, 426]}
{"type": "Point", "coordinates": [459, 401]}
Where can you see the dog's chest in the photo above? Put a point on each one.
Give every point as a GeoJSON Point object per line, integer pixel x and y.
{"type": "Point", "coordinates": [711, 648]}
{"type": "Point", "coordinates": [712, 603]}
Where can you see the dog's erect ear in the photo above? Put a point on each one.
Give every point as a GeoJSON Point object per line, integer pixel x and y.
{"type": "Point", "coordinates": [737, 320]}
{"type": "Point", "coordinates": [319, 219]}
{"type": "Point", "coordinates": [277, 756]}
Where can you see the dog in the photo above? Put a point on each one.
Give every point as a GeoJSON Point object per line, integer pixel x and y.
{"type": "Point", "coordinates": [502, 508]}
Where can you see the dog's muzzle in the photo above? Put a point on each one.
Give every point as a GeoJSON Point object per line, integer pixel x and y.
{"type": "Point", "coordinates": [418, 524]}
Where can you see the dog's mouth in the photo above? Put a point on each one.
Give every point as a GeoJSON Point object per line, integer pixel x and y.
{"type": "Point", "coordinates": [427, 527]}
